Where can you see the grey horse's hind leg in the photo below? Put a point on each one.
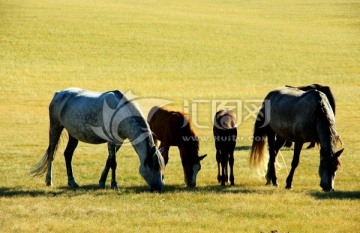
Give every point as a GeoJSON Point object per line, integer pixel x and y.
{"type": "Point", "coordinates": [110, 163]}
{"type": "Point", "coordinates": [54, 136]}
{"type": "Point", "coordinates": [69, 151]}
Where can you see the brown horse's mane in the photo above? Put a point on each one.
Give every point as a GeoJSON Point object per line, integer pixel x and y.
{"type": "Point", "coordinates": [188, 134]}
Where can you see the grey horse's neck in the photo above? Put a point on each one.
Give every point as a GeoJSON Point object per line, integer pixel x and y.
{"type": "Point", "coordinates": [143, 148]}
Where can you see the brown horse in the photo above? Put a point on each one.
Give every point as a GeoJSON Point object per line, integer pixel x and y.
{"type": "Point", "coordinates": [225, 134]}
{"type": "Point", "coordinates": [173, 128]}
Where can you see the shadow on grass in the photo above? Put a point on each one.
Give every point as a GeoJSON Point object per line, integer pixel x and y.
{"type": "Point", "coordinates": [339, 195]}
{"type": "Point", "coordinates": [168, 189]}
{"type": "Point", "coordinates": [241, 148]}
{"type": "Point", "coordinates": [96, 191]}
{"type": "Point", "coordinates": [21, 192]}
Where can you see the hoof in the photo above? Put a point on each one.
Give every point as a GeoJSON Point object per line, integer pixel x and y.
{"type": "Point", "coordinates": [102, 185]}
{"type": "Point", "coordinates": [114, 185]}
{"type": "Point", "coordinates": [73, 185]}
{"type": "Point", "coordinates": [289, 187]}
{"type": "Point", "coordinates": [268, 182]}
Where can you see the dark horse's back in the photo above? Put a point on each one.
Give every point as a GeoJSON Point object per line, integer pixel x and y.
{"type": "Point", "coordinates": [324, 89]}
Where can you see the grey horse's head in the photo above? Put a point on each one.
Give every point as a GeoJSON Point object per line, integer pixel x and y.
{"type": "Point", "coordinates": [327, 170]}
{"type": "Point", "coordinates": [152, 170]}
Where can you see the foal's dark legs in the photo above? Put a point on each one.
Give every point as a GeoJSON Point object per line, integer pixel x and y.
{"type": "Point", "coordinates": [224, 169]}
{"type": "Point", "coordinates": [231, 163]}
{"type": "Point", "coordinates": [69, 151]}
{"type": "Point", "coordinates": [294, 164]}
{"type": "Point", "coordinates": [110, 163]}
{"type": "Point", "coordinates": [218, 161]}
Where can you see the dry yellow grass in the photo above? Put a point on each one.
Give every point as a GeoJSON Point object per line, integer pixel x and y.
{"type": "Point", "coordinates": [188, 51]}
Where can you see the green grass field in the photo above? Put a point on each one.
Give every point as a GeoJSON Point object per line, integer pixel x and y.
{"type": "Point", "coordinates": [191, 53]}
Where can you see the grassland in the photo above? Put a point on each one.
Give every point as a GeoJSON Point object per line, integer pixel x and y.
{"type": "Point", "coordinates": [178, 51]}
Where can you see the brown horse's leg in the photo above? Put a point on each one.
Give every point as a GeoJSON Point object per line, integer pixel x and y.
{"type": "Point", "coordinates": [165, 153]}
{"type": "Point", "coordinates": [294, 164]}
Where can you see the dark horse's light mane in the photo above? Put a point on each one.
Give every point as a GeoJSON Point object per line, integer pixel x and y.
{"type": "Point", "coordinates": [328, 122]}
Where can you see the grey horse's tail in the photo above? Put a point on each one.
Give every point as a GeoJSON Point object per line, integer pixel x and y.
{"type": "Point", "coordinates": [257, 154]}
{"type": "Point", "coordinates": [41, 167]}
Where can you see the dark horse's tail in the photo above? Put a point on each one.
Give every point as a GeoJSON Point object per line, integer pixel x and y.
{"type": "Point", "coordinates": [257, 154]}
{"type": "Point", "coordinates": [41, 167]}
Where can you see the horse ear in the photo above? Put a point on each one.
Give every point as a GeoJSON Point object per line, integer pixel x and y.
{"type": "Point", "coordinates": [202, 157]}
{"type": "Point", "coordinates": [337, 154]}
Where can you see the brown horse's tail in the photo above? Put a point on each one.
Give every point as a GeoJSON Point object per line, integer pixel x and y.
{"type": "Point", "coordinates": [257, 154]}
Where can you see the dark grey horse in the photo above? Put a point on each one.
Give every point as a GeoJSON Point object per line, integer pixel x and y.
{"type": "Point", "coordinates": [225, 133]}
{"type": "Point", "coordinates": [96, 118]}
{"type": "Point", "coordinates": [324, 89]}
{"type": "Point", "coordinates": [297, 116]}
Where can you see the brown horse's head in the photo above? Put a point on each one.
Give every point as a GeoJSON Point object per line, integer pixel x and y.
{"type": "Point", "coordinates": [191, 166]}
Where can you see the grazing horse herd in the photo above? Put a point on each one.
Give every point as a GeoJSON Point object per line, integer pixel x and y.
{"type": "Point", "coordinates": [288, 114]}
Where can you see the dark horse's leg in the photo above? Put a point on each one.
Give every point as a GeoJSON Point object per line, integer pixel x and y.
{"type": "Point", "coordinates": [294, 164]}
{"type": "Point", "coordinates": [69, 151]}
{"type": "Point", "coordinates": [274, 147]}
{"type": "Point", "coordinates": [311, 145]}
{"type": "Point", "coordinates": [110, 163]}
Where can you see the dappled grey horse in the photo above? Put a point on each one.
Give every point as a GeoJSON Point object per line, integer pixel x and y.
{"type": "Point", "coordinates": [293, 115]}
{"type": "Point", "coordinates": [96, 118]}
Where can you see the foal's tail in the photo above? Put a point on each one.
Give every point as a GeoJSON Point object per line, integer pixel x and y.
{"type": "Point", "coordinates": [257, 154]}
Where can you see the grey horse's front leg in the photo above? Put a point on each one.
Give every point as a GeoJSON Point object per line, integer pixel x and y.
{"type": "Point", "coordinates": [110, 163]}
